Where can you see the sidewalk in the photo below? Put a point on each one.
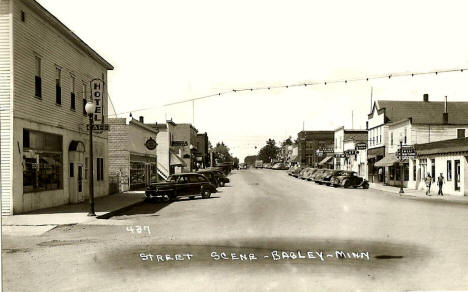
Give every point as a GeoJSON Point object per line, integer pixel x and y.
{"type": "Point", "coordinates": [73, 213]}
{"type": "Point", "coordinates": [420, 194]}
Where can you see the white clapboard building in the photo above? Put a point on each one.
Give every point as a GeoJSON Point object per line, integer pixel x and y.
{"type": "Point", "coordinates": [45, 72]}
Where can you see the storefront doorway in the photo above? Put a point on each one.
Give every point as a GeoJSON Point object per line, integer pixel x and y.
{"type": "Point", "coordinates": [76, 178]}
{"type": "Point", "coordinates": [457, 175]}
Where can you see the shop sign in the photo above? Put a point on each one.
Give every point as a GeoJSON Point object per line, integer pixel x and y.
{"type": "Point", "coordinates": [361, 146]}
{"type": "Point", "coordinates": [151, 144]}
{"type": "Point", "coordinates": [406, 152]}
{"type": "Point", "coordinates": [98, 127]}
{"type": "Point", "coordinates": [97, 92]}
{"type": "Point", "coordinates": [339, 155]}
{"type": "Point", "coordinates": [350, 152]}
{"type": "Point", "coordinates": [179, 143]}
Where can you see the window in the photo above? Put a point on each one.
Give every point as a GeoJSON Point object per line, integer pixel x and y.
{"type": "Point", "coordinates": [83, 96]}
{"type": "Point", "coordinates": [100, 169]}
{"type": "Point", "coordinates": [449, 170]}
{"type": "Point", "coordinates": [23, 16]}
{"type": "Point", "coordinates": [86, 168]}
{"type": "Point", "coordinates": [37, 78]}
{"type": "Point", "coordinates": [391, 138]}
{"type": "Point", "coordinates": [433, 173]}
{"type": "Point", "coordinates": [58, 85]}
{"type": "Point", "coordinates": [72, 93]}
{"type": "Point", "coordinates": [137, 172]}
{"type": "Point", "coordinates": [43, 165]}
{"type": "Point", "coordinates": [72, 173]}
{"type": "Point", "coordinates": [460, 133]}
{"type": "Point", "coordinates": [405, 141]}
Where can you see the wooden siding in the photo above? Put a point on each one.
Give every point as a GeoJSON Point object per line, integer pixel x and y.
{"type": "Point", "coordinates": [6, 113]}
{"type": "Point", "coordinates": [37, 37]}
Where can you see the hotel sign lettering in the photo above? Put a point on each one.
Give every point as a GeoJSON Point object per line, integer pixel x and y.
{"type": "Point", "coordinates": [97, 93]}
{"type": "Point", "coordinates": [179, 143]}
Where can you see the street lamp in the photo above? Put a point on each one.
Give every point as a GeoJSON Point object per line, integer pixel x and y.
{"type": "Point", "coordinates": [401, 167]}
{"type": "Point", "coordinates": [90, 109]}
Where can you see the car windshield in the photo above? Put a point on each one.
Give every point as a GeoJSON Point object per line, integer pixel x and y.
{"type": "Point", "coordinates": [172, 179]}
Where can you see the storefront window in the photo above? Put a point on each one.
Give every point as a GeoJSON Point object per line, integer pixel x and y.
{"type": "Point", "coordinates": [449, 169]}
{"type": "Point", "coordinates": [42, 161]}
{"type": "Point", "coordinates": [154, 173]}
{"type": "Point", "coordinates": [137, 173]}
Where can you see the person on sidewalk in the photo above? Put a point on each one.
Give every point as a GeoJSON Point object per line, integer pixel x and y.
{"type": "Point", "coordinates": [428, 181]}
{"type": "Point", "coordinates": [440, 182]}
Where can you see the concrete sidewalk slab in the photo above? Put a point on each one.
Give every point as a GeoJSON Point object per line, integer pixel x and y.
{"type": "Point", "coordinates": [411, 193]}
{"type": "Point", "coordinates": [75, 213]}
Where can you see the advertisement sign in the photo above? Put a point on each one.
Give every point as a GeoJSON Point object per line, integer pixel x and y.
{"type": "Point", "coordinates": [361, 146]}
{"type": "Point", "coordinates": [151, 144]}
{"type": "Point", "coordinates": [407, 152]}
{"type": "Point", "coordinates": [179, 143]}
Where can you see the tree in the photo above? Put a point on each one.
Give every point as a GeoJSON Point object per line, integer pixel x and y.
{"type": "Point", "coordinates": [269, 152]}
{"type": "Point", "coordinates": [250, 160]}
{"type": "Point", "coordinates": [287, 142]}
{"type": "Point", "coordinates": [221, 153]}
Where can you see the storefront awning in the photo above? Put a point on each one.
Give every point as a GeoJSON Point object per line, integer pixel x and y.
{"type": "Point", "coordinates": [388, 160]}
{"type": "Point", "coordinates": [176, 160]}
{"type": "Point", "coordinates": [326, 160]}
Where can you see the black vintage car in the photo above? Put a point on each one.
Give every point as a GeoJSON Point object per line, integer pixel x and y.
{"type": "Point", "coordinates": [181, 185]}
{"type": "Point", "coordinates": [216, 177]}
{"type": "Point", "coordinates": [348, 179]}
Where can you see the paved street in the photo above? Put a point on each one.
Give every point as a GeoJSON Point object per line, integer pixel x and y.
{"type": "Point", "coordinates": [333, 239]}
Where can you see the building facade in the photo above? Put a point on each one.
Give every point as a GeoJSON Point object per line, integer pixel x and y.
{"type": "Point", "coordinates": [44, 84]}
{"type": "Point", "coordinates": [309, 142]}
{"type": "Point", "coordinates": [202, 154]}
{"type": "Point", "coordinates": [348, 152]}
{"type": "Point", "coordinates": [129, 159]}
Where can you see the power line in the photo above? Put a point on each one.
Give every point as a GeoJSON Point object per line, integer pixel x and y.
{"type": "Point", "coordinates": [306, 84]}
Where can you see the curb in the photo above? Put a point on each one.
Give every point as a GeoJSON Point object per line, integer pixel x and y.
{"type": "Point", "coordinates": [114, 212]}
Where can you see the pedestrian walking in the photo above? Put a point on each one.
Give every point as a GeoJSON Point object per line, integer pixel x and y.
{"type": "Point", "coordinates": [428, 181]}
{"type": "Point", "coordinates": [440, 182]}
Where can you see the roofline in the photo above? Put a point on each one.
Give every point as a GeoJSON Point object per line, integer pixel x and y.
{"type": "Point", "coordinates": [141, 125]}
{"type": "Point", "coordinates": [55, 22]}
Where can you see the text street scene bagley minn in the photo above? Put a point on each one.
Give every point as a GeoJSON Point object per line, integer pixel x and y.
{"type": "Point", "coordinates": [233, 145]}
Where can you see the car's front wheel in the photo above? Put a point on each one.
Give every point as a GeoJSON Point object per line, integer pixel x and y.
{"type": "Point", "coordinates": [346, 184]}
{"type": "Point", "coordinates": [206, 193]}
{"type": "Point", "coordinates": [365, 185]}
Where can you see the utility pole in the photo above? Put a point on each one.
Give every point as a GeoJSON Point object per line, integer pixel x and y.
{"type": "Point", "coordinates": [401, 167]}
{"type": "Point", "coordinates": [193, 113]}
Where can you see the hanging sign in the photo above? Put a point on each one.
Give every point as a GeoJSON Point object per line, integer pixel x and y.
{"type": "Point", "coordinates": [361, 146]}
{"type": "Point", "coordinates": [97, 92]}
{"type": "Point", "coordinates": [151, 144]}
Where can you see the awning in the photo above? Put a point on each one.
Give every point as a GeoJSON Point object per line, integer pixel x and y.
{"type": "Point", "coordinates": [388, 160]}
{"type": "Point", "coordinates": [176, 160]}
{"type": "Point", "coordinates": [326, 160]}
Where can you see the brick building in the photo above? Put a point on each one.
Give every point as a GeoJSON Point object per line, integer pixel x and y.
{"type": "Point", "coordinates": [45, 72]}
{"type": "Point", "coordinates": [202, 154]}
{"type": "Point", "coordinates": [309, 142]}
{"type": "Point", "coordinates": [129, 158]}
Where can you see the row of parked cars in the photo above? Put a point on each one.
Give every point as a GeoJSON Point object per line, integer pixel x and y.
{"type": "Point", "coordinates": [329, 177]}
{"type": "Point", "coordinates": [201, 183]}
{"type": "Point", "coordinates": [276, 166]}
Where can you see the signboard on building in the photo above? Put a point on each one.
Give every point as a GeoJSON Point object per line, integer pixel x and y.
{"type": "Point", "coordinates": [151, 144]}
{"type": "Point", "coordinates": [407, 152]}
{"type": "Point", "coordinates": [97, 92]}
{"type": "Point", "coordinates": [98, 127]}
{"type": "Point", "coordinates": [179, 143]}
{"type": "Point", "coordinates": [323, 151]}
{"type": "Point", "coordinates": [350, 152]}
{"type": "Point", "coordinates": [339, 155]}
{"type": "Point", "coordinates": [361, 146]}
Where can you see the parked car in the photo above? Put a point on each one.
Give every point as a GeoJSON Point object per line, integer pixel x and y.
{"type": "Point", "coordinates": [181, 185]}
{"type": "Point", "coordinates": [348, 179]}
{"type": "Point", "coordinates": [326, 177]}
{"type": "Point", "coordinates": [222, 178]}
{"type": "Point", "coordinates": [242, 166]}
{"type": "Point", "coordinates": [258, 163]}
{"type": "Point", "coordinates": [267, 165]}
{"type": "Point", "coordinates": [310, 173]}
{"type": "Point", "coordinates": [318, 177]}
{"type": "Point", "coordinates": [212, 175]}
{"type": "Point", "coordinates": [304, 173]}
{"type": "Point", "coordinates": [296, 171]}
{"type": "Point", "coordinates": [280, 166]}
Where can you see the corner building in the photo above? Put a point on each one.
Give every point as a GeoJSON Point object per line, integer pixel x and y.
{"type": "Point", "coordinates": [45, 74]}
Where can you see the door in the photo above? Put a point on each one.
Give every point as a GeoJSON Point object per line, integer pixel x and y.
{"type": "Point", "coordinates": [457, 175]}
{"type": "Point", "coordinates": [79, 182]}
{"type": "Point", "coordinates": [147, 174]}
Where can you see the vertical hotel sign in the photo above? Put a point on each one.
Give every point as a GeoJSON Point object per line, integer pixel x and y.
{"type": "Point", "coordinates": [97, 93]}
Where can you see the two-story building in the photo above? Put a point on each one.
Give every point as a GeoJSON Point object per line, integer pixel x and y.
{"type": "Point", "coordinates": [347, 156]}
{"type": "Point", "coordinates": [202, 153]}
{"type": "Point", "coordinates": [45, 72]}
{"type": "Point", "coordinates": [309, 142]}
{"type": "Point", "coordinates": [430, 121]}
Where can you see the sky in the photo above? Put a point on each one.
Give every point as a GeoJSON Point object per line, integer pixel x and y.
{"type": "Point", "coordinates": [166, 51]}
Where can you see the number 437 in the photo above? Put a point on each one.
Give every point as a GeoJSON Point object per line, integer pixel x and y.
{"type": "Point", "coordinates": [138, 229]}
